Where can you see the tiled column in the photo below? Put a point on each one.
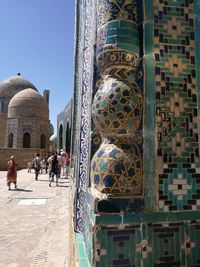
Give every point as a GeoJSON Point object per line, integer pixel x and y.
{"type": "Point", "coordinates": [116, 168]}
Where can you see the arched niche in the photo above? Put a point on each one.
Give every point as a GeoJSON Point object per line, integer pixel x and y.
{"type": "Point", "coordinates": [26, 140]}
{"type": "Point", "coordinates": [60, 137]}
{"type": "Point", "coordinates": [42, 141]}
{"type": "Point", "coordinates": [10, 139]}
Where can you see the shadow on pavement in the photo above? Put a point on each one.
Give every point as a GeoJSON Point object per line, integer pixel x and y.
{"type": "Point", "coordinates": [60, 185]}
{"type": "Point", "coordinates": [21, 189]}
{"type": "Point", "coordinates": [41, 180]}
{"type": "Point", "coordinates": [61, 182]}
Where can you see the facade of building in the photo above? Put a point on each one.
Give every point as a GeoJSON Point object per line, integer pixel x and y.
{"type": "Point", "coordinates": [24, 119]}
{"type": "Point", "coordinates": [135, 132]}
{"type": "Point", "coordinates": [64, 124]}
{"type": "Point", "coordinates": [8, 88]}
{"type": "Point", "coordinates": [28, 123]}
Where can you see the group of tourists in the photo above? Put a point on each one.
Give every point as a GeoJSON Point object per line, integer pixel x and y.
{"type": "Point", "coordinates": [56, 164]}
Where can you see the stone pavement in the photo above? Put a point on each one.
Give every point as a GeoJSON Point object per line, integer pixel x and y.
{"type": "Point", "coordinates": [35, 223]}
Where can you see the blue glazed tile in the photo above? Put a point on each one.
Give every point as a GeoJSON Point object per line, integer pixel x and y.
{"type": "Point", "coordinates": [96, 179]}
{"type": "Point", "coordinates": [109, 180]}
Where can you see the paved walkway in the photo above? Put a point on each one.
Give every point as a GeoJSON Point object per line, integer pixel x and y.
{"type": "Point", "coordinates": [35, 222]}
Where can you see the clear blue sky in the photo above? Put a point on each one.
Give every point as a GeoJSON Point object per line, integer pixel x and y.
{"type": "Point", "coordinates": [37, 40]}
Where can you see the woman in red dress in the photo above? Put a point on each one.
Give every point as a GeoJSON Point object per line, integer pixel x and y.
{"type": "Point", "coordinates": [12, 172]}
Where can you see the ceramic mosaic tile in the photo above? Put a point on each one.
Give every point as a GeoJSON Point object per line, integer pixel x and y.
{"type": "Point", "coordinates": [137, 149]}
{"type": "Point", "coordinates": [177, 137]}
{"type": "Point", "coordinates": [160, 244]}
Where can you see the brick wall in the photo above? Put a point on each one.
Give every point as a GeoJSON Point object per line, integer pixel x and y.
{"type": "Point", "coordinates": [2, 127]}
{"type": "Point", "coordinates": [22, 156]}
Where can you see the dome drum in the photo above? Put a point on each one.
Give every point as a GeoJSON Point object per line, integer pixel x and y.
{"type": "Point", "coordinates": [33, 112]}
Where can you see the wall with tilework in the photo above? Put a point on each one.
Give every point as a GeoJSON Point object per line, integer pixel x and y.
{"type": "Point", "coordinates": [64, 121]}
{"type": "Point", "coordinates": [135, 140]}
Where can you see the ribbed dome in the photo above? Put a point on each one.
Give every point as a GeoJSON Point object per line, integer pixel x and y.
{"type": "Point", "coordinates": [28, 103]}
{"type": "Point", "coordinates": [13, 85]}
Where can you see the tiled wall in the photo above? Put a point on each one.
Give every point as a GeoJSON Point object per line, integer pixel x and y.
{"type": "Point", "coordinates": [151, 243]}
{"type": "Point", "coordinates": [145, 213]}
{"type": "Point", "coordinates": [178, 164]}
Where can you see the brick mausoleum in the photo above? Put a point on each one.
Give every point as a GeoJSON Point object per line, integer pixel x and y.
{"type": "Point", "coordinates": [24, 121]}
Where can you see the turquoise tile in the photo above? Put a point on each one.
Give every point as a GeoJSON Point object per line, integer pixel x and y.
{"type": "Point", "coordinates": [84, 263]}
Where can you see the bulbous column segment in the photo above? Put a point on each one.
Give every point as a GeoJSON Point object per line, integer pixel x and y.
{"type": "Point", "coordinates": [116, 167]}
{"type": "Point", "coordinates": [117, 108]}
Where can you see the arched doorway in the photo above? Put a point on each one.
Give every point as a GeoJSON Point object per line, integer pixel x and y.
{"type": "Point", "coordinates": [61, 137]}
{"type": "Point", "coordinates": [10, 140]}
{"type": "Point", "coordinates": [26, 140]}
{"type": "Point", "coordinates": [42, 141]}
{"type": "Point", "coordinates": [68, 138]}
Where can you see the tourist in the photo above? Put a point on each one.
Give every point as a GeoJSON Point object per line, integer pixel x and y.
{"type": "Point", "coordinates": [46, 162]}
{"type": "Point", "coordinates": [29, 166]}
{"type": "Point", "coordinates": [12, 172]}
{"type": "Point", "coordinates": [50, 165]}
{"type": "Point", "coordinates": [42, 166]}
{"type": "Point", "coordinates": [67, 164]}
{"type": "Point", "coordinates": [59, 158]}
{"type": "Point", "coordinates": [54, 170]}
{"type": "Point", "coordinates": [37, 165]}
{"type": "Point", "coordinates": [63, 162]}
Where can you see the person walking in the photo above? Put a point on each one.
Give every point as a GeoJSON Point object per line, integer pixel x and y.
{"type": "Point", "coordinates": [37, 165]}
{"type": "Point", "coordinates": [29, 166]}
{"type": "Point", "coordinates": [50, 165]}
{"type": "Point", "coordinates": [54, 170]}
{"type": "Point", "coordinates": [67, 164]}
{"type": "Point", "coordinates": [12, 173]}
{"type": "Point", "coordinates": [46, 162]}
{"type": "Point", "coordinates": [59, 158]}
{"type": "Point", "coordinates": [63, 162]}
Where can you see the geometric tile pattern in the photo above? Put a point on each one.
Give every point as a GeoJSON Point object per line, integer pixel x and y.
{"type": "Point", "coordinates": [82, 109]}
{"type": "Point", "coordinates": [116, 167]}
{"type": "Point", "coordinates": [117, 25]}
{"type": "Point", "coordinates": [123, 244]}
{"type": "Point", "coordinates": [177, 164]}
{"type": "Point", "coordinates": [158, 245]}
{"type": "Point", "coordinates": [109, 10]}
{"type": "Point", "coordinates": [116, 108]}
{"type": "Point", "coordinates": [172, 241]}
{"type": "Point", "coordinates": [117, 170]}
{"type": "Point", "coordinates": [175, 244]}
{"type": "Point", "coordinates": [116, 57]}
